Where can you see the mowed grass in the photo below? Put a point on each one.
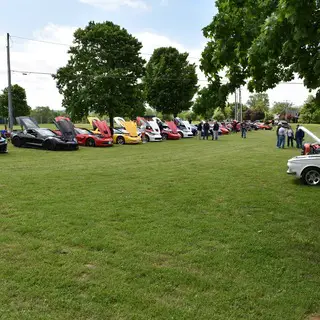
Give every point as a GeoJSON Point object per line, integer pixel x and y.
{"type": "Point", "coordinates": [175, 230]}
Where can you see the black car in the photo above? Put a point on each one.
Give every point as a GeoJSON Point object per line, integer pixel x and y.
{"type": "Point", "coordinates": [3, 145]}
{"type": "Point", "coordinates": [34, 136]}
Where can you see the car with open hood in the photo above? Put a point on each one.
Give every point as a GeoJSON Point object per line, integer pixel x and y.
{"type": "Point", "coordinates": [150, 129]}
{"type": "Point", "coordinates": [169, 130]}
{"type": "Point", "coordinates": [87, 138]}
{"type": "Point", "coordinates": [310, 147]}
{"type": "Point", "coordinates": [184, 128]}
{"type": "Point", "coordinates": [3, 144]}
{"type": "Point", "coordinates": [125, 133]}
{"type": "Point", "coordinates": [32, 135]}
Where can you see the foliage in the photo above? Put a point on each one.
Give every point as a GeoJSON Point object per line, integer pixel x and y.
{"type": "Point", "coordinates": [102, 73]}
{"type": "Point", "coordinates": [209, 98]}
{"type": "Point", "coordinates": [310, 111]}
{"type": "Point", "coordinates": [266, 41]}
{"type": "Point", "coordinates": [254, 115]}
{"type": "Point", "coordinates": [259, 102]}
{"type": "Point", "coordinates": [218, 115]}
{"type": "Point", "coordinates": [45, 114]}
{"type": "Point", "coordinates": [19, 102]}
{"type": "Point", "coordinates": [170, 82]}
{"type": "Point", "coordinates": [281, 107]}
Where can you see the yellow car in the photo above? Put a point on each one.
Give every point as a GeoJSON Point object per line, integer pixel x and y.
{"type": "Point", "coordinates": [127, 134]}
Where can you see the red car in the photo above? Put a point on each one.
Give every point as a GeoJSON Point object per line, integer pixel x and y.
{"type": "Point", "coordinates": [170, 131]}
{"type": "Point", "coordinates": [87, 138]}
{"type": "Point", "coordinates": [263, 126]}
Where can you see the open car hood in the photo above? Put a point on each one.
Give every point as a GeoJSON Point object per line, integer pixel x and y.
{"type": "Point", "coordinates": [66, 127]}
{"type": "Point", "coordinates": [119, 121]}
{"type": "Point", "coordinates": [172, 126]}
{"type": "Point", "coordinates": [103, 128]}
{"type": "Point", "coordinates": [308, 132]}
{"type": "Point", "coordinates": [27, 122]}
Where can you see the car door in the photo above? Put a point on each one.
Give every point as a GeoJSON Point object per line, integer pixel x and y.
{"type": "Point", "coordinates": [33, 137]}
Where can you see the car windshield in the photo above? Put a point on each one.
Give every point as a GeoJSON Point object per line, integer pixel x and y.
{"type": "Point", "coordinates": [47, 132]}
{"type": "Point", "coordinates": [83, 131]}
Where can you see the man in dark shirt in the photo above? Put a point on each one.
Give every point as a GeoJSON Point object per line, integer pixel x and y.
{"type": "Point", "coordinates": [299, 137]}
{"type": "Point", "coordinates": [215, 131]}
{"type": "Point", "coordinates": [206, 128]}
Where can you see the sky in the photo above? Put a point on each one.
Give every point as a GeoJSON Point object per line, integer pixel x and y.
{"type": "Point", "coordinates": [156, 23]}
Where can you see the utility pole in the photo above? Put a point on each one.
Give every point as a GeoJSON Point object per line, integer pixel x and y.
{"type": "Point", "coordinates": [235, 106]}
{"type": "Point", "coordinates": [10, 110]}
{"type": "Point", "coordinates": [240, 103]}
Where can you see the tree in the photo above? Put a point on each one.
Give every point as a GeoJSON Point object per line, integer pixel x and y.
{"type": "Point", "coordinates": [259, 102]}
{"type": "Point", "coordinates": [19, 102]}
{"type": "Point", "coordinates": [266, 41]}
{"type": "Point", "coordinates": [170, 82]}
{"type": "Point", "coordinates": [281, 107]}
{"type": "Point", "coordinates": [42, 114]}
{"type": "Point", "coordinates": [310, 111]}
{"type": "Point", "coordinates": [218, 115]}
{"type": "Point", "coordinates": [209, 98]}
{"type": "Point", "coordinates": [102, 73]}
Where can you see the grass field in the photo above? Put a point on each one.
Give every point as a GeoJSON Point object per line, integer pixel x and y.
{"type": "Point", "coordinates": [175, 230]}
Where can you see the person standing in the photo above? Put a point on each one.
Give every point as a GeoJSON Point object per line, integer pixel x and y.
{"type": "Point", "coordinates": [215, 131]}
{"type": "Point", "coordinates": [243, 130]}
{"type": "Point", "coordinates": [282, 137]}
{"type": "Point", "coordinates": [290, 135]}
{"type": "Point", "coordinates": [206, 128]}
{"type": "Point", "coordinates": [278, 140]}
{"type": "Point", "coordinates": [199, 128]}
{"type": "Point", "coordinates": [299, 137]}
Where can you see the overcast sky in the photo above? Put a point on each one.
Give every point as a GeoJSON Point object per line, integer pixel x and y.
{"type": "Point", "coordinates": [155, 23]}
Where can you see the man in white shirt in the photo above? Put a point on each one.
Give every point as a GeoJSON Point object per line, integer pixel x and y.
{"type": "Point", "coordinates": [282, 137]}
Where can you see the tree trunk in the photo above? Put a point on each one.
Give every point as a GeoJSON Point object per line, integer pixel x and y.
{"type": "Point", "coordinates": [111, 120]}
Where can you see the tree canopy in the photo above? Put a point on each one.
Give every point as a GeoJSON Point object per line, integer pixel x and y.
{"type": "Point", "coordinates": [310, 111]}
{"type": "Point", "coordinates": [265, 41]}
{"type": "Point", "coordinates": [259, 102]}
{"type": "Point", "coordinates": [103, 72]}
{"type": "Point", "coordinates": [19, 102]}
{"type": "Point", "coordinates": [45, 114]}
{"type": "Point", "coordinates": [170, 82]}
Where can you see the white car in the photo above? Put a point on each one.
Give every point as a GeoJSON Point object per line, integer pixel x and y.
{"type": "Point", "coordinates": [184, 128]}
{"type": "Point", "coordinates": [151, 130]}
{"type": "Point", "coordinates": [306, 168]}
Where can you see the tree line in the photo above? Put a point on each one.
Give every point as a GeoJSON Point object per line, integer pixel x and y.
{"type": "Point", "coordinates": [106, 74]}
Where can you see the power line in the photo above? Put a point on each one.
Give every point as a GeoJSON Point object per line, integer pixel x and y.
{"type": "Point", "coordinates": [24, 72]}
{"type": "Point", "coordinates": [69, 45]}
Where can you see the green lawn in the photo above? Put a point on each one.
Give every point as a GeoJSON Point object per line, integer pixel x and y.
{"type": "Point", "coordinates": [175, 230]}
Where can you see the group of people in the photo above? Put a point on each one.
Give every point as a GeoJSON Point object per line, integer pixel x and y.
{"type": "Point", "coordinates": [204, 130]}
{"type": "Point", "coordinates": [283, 132]}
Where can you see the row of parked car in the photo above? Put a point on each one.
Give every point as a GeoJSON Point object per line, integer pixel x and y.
{"type": "Point", "coordinates": [67, 136]}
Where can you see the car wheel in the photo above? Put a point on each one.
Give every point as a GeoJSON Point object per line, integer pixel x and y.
{"type": "Point", "coordinates": [121, 141]}
{"type": "Point", "coordinates": [16, 141]}
{"type": "Point", "coordinates": [48, 145]}
{"type": "Point", "coordinates": [181, 134]}
{"type": "Point", "coordinates": [90, 143]}
{"type": "Point", "coordinates": [164, 136]}
{"type": "Point", "coordinates": [311, 176]}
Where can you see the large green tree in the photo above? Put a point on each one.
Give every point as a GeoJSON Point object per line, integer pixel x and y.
{"type": "Point", "coordinates": [45, 114]}
{"type": "Point", "coordinates": [170, 82]}
{"type": "Point", "coordinates": [209, 98]}
{"type": "Point", "coordinates": [265, 41]}
{"type": "Point", "coordinates": [259, 102]}
{"type": "Point", "coordinates": [19, 102]}
{"type": "Point", "coordinates": [103, 72]}
{"type": "Point", "coordinates": [310, 111]}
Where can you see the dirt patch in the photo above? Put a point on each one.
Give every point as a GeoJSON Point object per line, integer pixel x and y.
{"type": "Point", "coordinates": [90, 266]}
